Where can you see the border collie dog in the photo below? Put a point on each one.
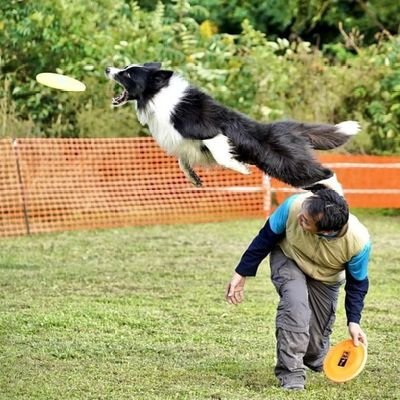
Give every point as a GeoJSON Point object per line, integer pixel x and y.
{"type": "Point", "coordinates": [192, 126]}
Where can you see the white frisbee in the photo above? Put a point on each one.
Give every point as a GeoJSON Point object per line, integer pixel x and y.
{"type": "Point", "coordinates": [61, 82]}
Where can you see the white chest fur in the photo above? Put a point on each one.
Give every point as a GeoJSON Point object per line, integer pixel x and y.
{"type": "Point", "coordinates": [157, 115]}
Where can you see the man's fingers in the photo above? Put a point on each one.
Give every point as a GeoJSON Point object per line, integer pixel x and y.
{"type": "Point", "coordinates": [227, 289]}
{"type": "Point", "coordinates": [234, 290]}
{"type": "Point", "coordinates": [236, 296]}
{"type": "Point", "coordinates": [239, 295]}
{"type": "Point", "coordinates": [363, 340]}
{"type": "Point", "coordinates": [232, 295]}
{"type": "Point", "coordinates": [357, 334]}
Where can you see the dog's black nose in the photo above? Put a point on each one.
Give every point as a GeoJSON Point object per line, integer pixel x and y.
{"type": "Point", "coordinates": [107, 70]}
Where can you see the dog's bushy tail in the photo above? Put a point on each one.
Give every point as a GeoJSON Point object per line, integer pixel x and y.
{"type": "Point", "coordinates": [326, 137]}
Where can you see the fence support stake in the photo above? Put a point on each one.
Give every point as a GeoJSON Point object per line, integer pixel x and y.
{"type": "Point", "coordinates": [21, 185]}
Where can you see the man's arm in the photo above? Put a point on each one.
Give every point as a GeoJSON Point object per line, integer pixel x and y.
{"type": "Point", "coordinates": [259, 248]}
{"type": "Point", "coordinates": [272, 233]}
{"type": "Point", "coordinates": [356, 288]}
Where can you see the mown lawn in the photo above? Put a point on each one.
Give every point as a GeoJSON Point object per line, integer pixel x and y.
{"type": "Point", "coordinates": [139, 313]}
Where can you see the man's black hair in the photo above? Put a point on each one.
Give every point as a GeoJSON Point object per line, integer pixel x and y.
{"type": "Point", "coordinates": [329, 210]}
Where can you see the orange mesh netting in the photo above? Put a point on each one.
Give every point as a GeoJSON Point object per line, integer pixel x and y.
{"type": "Point", "coordinates": [368, 181]}
{"type": "Point", "coordinates": [91, 183]}
{"type": "Point", "coordinates": [51, 185]}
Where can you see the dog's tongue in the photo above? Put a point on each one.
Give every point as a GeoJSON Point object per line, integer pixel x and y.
{"type": "Point", "coordinates": [121, 99]}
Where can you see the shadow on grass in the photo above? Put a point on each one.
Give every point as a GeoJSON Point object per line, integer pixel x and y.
{"type": "Point", "coordinates": [17, 266]}
{"type": "Point", "coordinates": [253, 377]}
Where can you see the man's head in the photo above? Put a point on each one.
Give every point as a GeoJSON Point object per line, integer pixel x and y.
{"type": "Point", "coordinates": [325, 212]}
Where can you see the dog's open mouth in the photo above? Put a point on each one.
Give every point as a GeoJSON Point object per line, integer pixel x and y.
{"type": "Point", "coordinates": [121, 99]}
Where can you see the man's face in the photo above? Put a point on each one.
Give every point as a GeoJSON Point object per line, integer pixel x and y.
{"type": "Point", "coordinates": [306, 221]}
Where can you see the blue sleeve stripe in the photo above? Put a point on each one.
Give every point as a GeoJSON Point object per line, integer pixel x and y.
{"type": "Point", "coordinates": [358, 265]}
{"type": "Point", "coordinates": [278, 218]}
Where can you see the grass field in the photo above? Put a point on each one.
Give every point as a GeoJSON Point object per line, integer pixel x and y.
{"type": "Point", "coordinates": [139, 313]}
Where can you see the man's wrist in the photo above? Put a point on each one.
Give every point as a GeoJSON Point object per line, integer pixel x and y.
{"type": "Point", "coordinates": [243, 273]}
{"type": "Point", "coordinates": [353, 320]}
{"type": "Point", "coordinates": [352, 323]}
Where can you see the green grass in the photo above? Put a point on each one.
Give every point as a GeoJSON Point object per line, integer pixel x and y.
{"type": "Point", "coordinates": [139, 313]}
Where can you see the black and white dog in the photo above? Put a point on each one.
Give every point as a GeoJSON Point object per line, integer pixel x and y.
{"type": "Point", "coordinates": [192, 126]}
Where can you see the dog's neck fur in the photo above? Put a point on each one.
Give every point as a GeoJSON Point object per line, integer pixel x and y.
{"type": "Point", "coordinates": [156, 113]}
{"type": "Point", "coordinates": [163, 102]}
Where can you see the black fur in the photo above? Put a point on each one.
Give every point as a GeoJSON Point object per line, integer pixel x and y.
{"type": "Point", "coordinates": [283, 150]}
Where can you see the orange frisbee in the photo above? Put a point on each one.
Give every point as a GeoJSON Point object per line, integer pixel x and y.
{"type": "Point", "coordinates": [345, 361]}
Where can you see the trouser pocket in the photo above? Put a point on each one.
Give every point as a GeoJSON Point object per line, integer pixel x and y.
{"type": "Point", "coordinates": [323, 300]}
{"type": "Point", "coordinates": [293, 313]}
{"type": "Point", "coordinates": [330, 322]}
{"type": "Point", "coordinates": [283, 269]}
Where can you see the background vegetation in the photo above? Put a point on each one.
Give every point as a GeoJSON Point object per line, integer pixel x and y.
{"type": "Point", "coordinates": [139, 313]}
{"type": "Point", "coordinates": [320, 60]}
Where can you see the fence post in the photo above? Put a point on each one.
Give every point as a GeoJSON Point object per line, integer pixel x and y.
{"type": "Point", "coordinates": [267, 190]}
{"type": "Point", "coordinates": [14, 144]}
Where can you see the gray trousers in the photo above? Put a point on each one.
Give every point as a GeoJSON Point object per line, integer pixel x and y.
{"type": "Point", "coordinates": [305, 315]}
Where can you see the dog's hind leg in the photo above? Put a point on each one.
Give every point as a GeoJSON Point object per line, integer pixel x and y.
{"type": "Point", "coordinates": [189, 173]}
{"type": "Point", "coordinates": [221, 151]}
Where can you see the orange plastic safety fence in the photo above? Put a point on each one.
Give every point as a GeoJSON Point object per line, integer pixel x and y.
{"type": "Point", "coordinates": [368, 181]}
{"type": "Point", "coordinates": [62, 184]}
{"type": "Point", "coordinates": [49, 185]}
{"type": "Point", "coordinates": [12, 216]}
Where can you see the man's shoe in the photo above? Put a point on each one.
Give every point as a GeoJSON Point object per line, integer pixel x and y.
{"type": "Point", "coordinates": [319, 368]}
{"type": "Point", "coordinates": [293, 386]}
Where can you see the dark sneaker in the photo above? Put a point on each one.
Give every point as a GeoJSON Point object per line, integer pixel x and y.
{"type": "Point", "coordinates": [293, 386]}
{"type": "Point", "coordinates": [315, 368]}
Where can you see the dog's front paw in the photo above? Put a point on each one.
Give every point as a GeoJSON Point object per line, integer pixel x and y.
{"type": "Point", "coordinates": [190, 174]}
{"type": "Point", "coordinates": [246, 171]}
{"type": "Point", "coordinates": [196, 181]}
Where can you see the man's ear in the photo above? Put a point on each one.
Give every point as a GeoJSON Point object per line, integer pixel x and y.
{"type": "Point", "coordinates": [152, 65]}
{"type": "Point", "coordinates": [161, 77]}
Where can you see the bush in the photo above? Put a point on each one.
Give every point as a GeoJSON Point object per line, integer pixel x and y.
{"type": "Point", "coordinates": [372, 82]}
{"type": "Point", "coordinates": [266, 79]}
{"type": "Point", "coordinates": [377, 95]}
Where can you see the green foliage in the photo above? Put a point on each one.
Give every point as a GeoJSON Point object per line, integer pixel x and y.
{"type": "Point", "coordinates": [266, 79]}
{"type": "Point", "coordinates": [372, 80]}
{"type": "Point", "coordinates": [381, 99]}
{"type": "Point", "coordinates": [369, 17]}
{"type": "Point", "coordinates": [272, 17]}
{"type": "Point", "coordinates": [313, 20]}
{"type": "Point", "coordinates": [49, 36]}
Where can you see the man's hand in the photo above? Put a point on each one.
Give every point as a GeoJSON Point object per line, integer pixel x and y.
{"type": "Point", "coordinates": [357, 334]}
{"type": "Point", "coordinates": [234, 292]}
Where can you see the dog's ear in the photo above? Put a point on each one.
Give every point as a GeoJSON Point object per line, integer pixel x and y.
{"type": "Point", "coordinates": [314, 188]}
{"type": "Point", "coordinates": [161, 78]}
{"type": "Point", "coordinates": [152, 65]}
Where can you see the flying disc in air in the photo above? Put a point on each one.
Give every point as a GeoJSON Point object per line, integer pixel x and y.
{"type": "Point", "coordinates": [61, 82]}
{"type": "Point", "coordinates": [345, 361]}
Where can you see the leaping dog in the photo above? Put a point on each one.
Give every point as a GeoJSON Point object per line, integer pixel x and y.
{"type": "Point", "coordinates": [191, 125]}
